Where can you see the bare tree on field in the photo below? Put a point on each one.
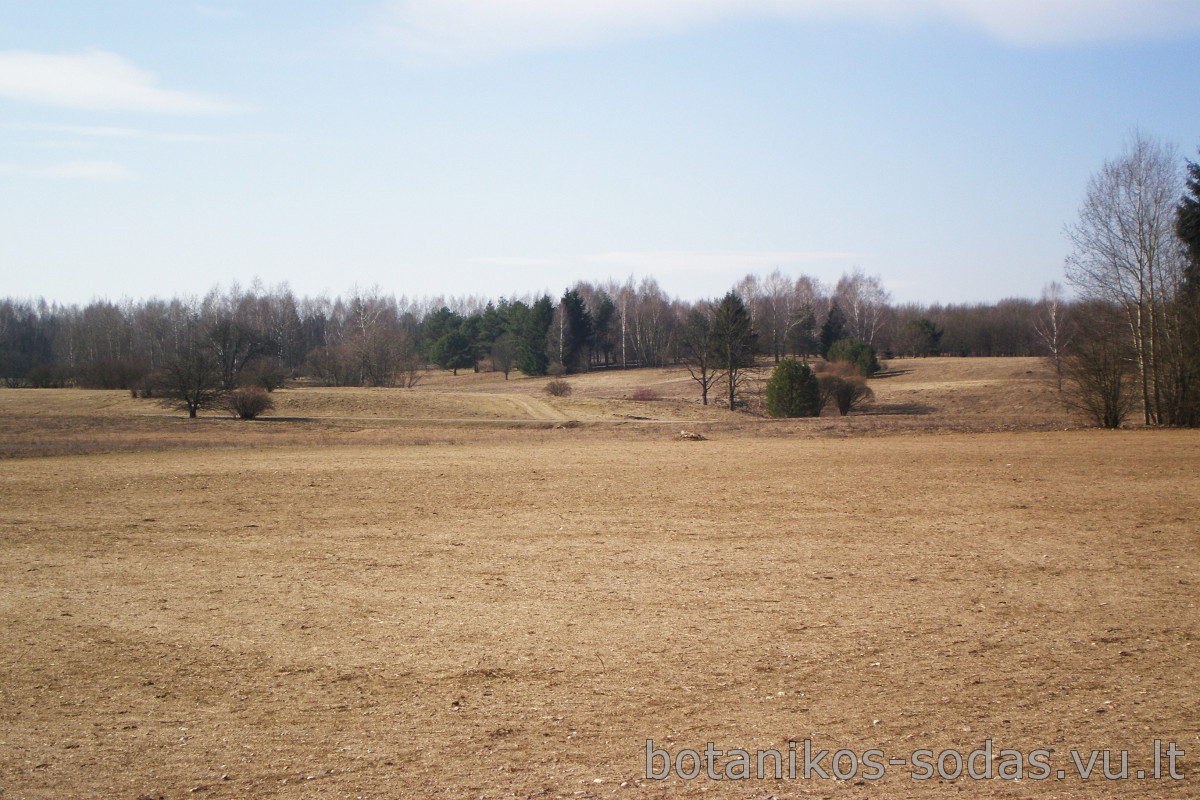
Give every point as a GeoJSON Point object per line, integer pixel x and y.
{"type": "Point", "coordinates": [1125, 252]}
{"type": "Point", "coordinates": [696, 348]}
{"type": "Point", "coordinates": [192, 378]}
{"type": "Point", "coordinates": [1050, 326]}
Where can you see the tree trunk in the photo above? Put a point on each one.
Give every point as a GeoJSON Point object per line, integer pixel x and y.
{"type": "Point", "coordinates": [732, 379]}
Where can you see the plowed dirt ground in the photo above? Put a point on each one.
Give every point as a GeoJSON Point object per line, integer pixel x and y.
{"type": "Point", "coordinates": [333, 609]}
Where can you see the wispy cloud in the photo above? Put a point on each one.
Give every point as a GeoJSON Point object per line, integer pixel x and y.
{"type": "Point", "coordinates": [95, 81]}
{"type": "Point", "coordinates": [73, 170]}
{"type": "Point", "coordinates": [480, 27]}
{"type": "Point", "coordinates": [106, 132]}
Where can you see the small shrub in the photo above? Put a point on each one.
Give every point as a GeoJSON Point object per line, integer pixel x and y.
{"type": "Point", "coordinates": [558, 388]}
{"type": "Point", "coordinates": [644, 394]}
{"type": "Point", "coordinates": [151, 385]}
{"type": "Point", "coordinates": [858, 353]}
{"type": "Point", "coordinates": [846, 392]}
{"type": "Point", "coordinates": [266, 373]}
{"type": "Point", "coordinates": [793, 391]}
{"type": "Point", "coordinates": [248, 402]}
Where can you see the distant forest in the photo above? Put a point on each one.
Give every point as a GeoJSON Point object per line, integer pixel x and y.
{"type": "Point", "coordinates": [370, 338]}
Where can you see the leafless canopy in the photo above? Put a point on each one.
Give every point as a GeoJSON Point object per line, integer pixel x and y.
{"type": "Point", "coordinates": [1126, 253]}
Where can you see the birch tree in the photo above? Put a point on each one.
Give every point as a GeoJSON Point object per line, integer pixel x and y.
{"type": "Point", "coordinates": [1050, 325]}
{"type": "Point", "coordinates": [1125, 252]}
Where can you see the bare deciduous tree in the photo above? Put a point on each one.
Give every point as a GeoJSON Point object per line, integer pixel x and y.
{"type": "Point", "coordinates": [193, 378]}
{"type": "Point", "coordinates": [863, 301]}
{"type": "Point", "coordinates": [777, 302]}
{"type": "Point", "coordinates": [1126, 253]}
{"type": "Point", "coordinates": [1050, 326]}
{"type": "Point", "coordinates": [696, 348]}
{"type": "Point", "coordinates": [1098, 366]}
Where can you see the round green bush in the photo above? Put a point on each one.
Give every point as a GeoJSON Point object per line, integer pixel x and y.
{"type": "Point", "coordinates": [858, 353]}
{"type": "Point", "coordinates": [793, 391]}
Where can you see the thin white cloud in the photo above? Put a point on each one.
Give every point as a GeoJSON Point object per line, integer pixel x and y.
{"type": "Point", "coordinates": [481, 27]}
{"type": "Point", "coordinates": [73, 170]}
{"type": "Point", "coordinates": [106, 132]}
{"type": "Point", "coordinates": [95, 81]}
{"type": "Point", "coordinates": [89, 170]}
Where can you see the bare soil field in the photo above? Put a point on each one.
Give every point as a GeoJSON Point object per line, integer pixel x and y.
{"type": "Point", "coordinates": [344, 607]}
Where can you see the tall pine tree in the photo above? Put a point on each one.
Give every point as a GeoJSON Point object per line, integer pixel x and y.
{"type": "Point", "coordinates": [733, 339]}
{"type": "Point", "coordinates": [833, 330]}
{"type": "Point", "coordinates": [1187, 226]}
{"type": "Point", "coordinates": [530, 331]}
{"type": "Point", "coordinates": [576, 333]}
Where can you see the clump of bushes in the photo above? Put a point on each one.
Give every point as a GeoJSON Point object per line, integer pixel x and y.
{"type": "Point", "coordinates": [858, 353]}
{"type": "Point", "coordinates": [266, 373]}
{"type": "Point", "coordinates": [793, 391]}
{"type": "Point", "coordinates": [846, 390]}
{"type": "Point", "coordinates": [110, 373]}
{"type": "Point", "coordinates": [558, 388]}
{"type": "Point", "coordinates": [42, 376]}
{"type": "Point", "coordinates": [644, 394]}
{"type": "Point", "coordinates": [247, 402]}
{"type": "Point", "coordinates": [151, 385]}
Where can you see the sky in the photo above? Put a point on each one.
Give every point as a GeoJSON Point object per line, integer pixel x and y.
{"type": "Point", "coordinates": [503, 147]}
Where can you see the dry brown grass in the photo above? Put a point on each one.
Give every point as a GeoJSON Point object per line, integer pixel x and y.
{"type": "Point", "coordinates": [511, 611]}
{"type": "Point", "coordinates": [925, 395]}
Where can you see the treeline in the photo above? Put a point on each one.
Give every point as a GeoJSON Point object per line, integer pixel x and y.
{"type": "Point", "coordinates": [374, 339]}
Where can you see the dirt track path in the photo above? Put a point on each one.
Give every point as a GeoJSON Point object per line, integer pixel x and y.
{"type": "Point", "coordinates": [537, 409]}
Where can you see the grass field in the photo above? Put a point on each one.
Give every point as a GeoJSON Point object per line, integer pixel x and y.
{"type": "Point", "coordinates": [357, 601]}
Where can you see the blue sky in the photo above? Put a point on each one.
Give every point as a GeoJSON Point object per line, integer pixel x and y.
{"type": "Point", "coordinates": [508, 146]}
